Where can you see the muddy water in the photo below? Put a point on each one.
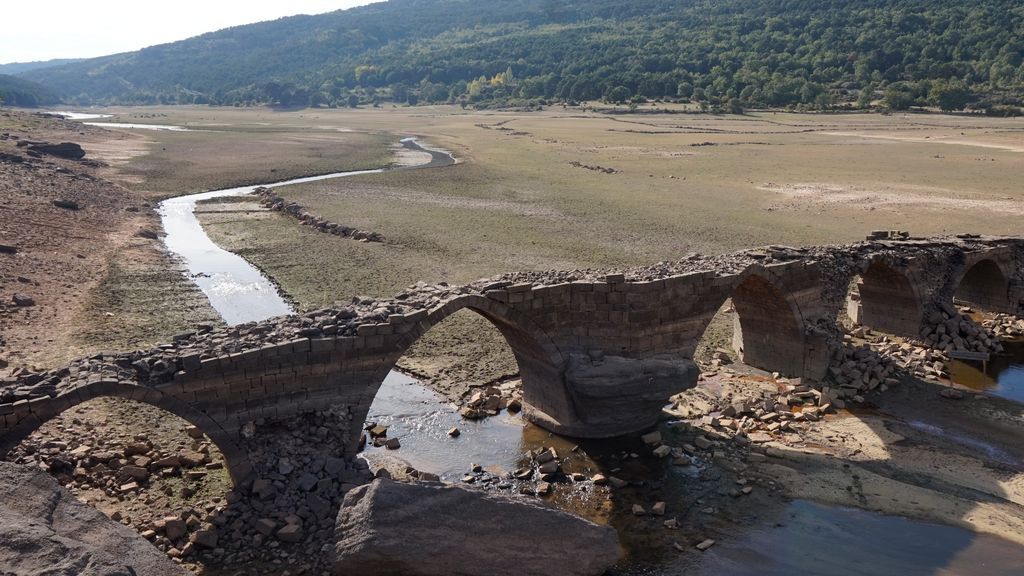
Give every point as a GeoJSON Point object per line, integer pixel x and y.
{"type": "Point", "coordinates": [801, 538]}
{"type": "Point", "coordinates": [810, 538]}
{"type": "Point", "coordinates": [421, 419]}
{"type": "Point", "coordinates": [1003, 375]}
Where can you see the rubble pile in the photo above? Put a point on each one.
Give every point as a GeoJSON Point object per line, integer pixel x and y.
{"type": "Point", "coordinates": [270, 200]}
{"type": "Point", "coordinates": [492, 400]}
{"type": "Point", "coordinates": [856, 370]}
{"type": "Point", "coordinates": [949, 330]}
{"type": "Point", "coordinates": [1005, 326]}
{"type": "Point", "coordinates": [177, 495]}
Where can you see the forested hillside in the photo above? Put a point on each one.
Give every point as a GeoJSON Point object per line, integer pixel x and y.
{"type": "Point", "coordinates": [746, 53]}
{"type": "Point", "coordinates": [18, 92]}
{"type": "Point", "coordinates": [20, 67]}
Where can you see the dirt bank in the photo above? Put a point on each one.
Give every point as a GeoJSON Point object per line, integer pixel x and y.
{"type": "Point", "coordinates": [85, 254]}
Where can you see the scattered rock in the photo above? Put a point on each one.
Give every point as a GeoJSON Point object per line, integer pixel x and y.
{"type": "Point", "coordinates": [952, 394]}
{"type": "Point", "coordinates": [290, 533]}
{"type": "Point", "coordinates": [66, 204]}
{"type": "Point", "coordinates": [174, 528]}
{"type": "Point", "coordinates": [23, 300]}
{"type": "Point", "coordinates": [66, 150]}
{"type": "Point", "coordinates": [651, 438]}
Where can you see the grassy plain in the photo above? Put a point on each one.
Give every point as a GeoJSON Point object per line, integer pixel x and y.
{"type": "Point", "coordinates": [531, 192]}
{"type": "Point", "coordinates": [682, 183]}
{"type": "Point", "coordinates": [219, 152]}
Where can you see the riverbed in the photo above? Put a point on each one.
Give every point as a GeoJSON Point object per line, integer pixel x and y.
{"type": "Point", "coordinates": [798, 537]}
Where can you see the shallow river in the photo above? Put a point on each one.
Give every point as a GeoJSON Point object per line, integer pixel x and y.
{"type": "Point", "coordinates": [1002, 376]}
{"type": "Point", "coordinates": [804, 538]}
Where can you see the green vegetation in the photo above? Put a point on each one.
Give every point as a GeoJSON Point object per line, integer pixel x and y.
{"type": "Point", "coordinates": [728, 54]}
{"type": "Point", "coordinates": [18, 92]}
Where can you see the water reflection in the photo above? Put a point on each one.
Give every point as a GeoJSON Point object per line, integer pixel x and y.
{"type": "Point", "coordinates": [77, 115]}
{"type": "Point", "coordinates": [812, 538]}
{"type": "Point", "coordinates": [163, 127]}
{"type": "Point", "coordinates": [1003, 375]}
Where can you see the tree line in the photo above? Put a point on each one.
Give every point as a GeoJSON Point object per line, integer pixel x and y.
{"type": "Point", "coordinates": [725, 54]}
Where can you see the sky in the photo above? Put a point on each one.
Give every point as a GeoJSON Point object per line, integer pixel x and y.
{"type": "Point", "coordinates": [77, 29]}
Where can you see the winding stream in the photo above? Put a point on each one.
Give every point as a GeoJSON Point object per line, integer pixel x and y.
{"type": "Point", "coordinates": [237, 290]}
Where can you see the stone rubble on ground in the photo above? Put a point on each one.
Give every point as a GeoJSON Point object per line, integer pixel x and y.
{"type": "Point", "coordinates": [271, 200]}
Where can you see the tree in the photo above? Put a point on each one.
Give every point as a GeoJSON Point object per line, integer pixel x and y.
{"type": "Point", "coordinates": [353, 100]}
{"type": "Point", "coordinates": [949, 96]}
{"type": "Point", "coordinates": [735, 106]}
{"type": "Point", "coordinates": [866, 96]}
{"type": "Point", "coordinates": [897, 98]}
{"type": "Point", "coordinates": [618, 95]}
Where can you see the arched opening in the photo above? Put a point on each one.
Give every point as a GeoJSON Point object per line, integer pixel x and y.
{"type": "Point", "coordinates": [462, 352]}
{"type": "Point", "coordinates": [884, 299]}
{"type": "Point", "coordinates": [984, 286]}
{"type": "Point", "coordinates": [461, 374]}
{"type": "Point", "coordinates": [715, 347]}
{"type": "Point", "coordinates": [757, 326]}
{"type": "Point", "coordinates": [137, 463]}
{"type": "Point", "coordinates": [767, 331]}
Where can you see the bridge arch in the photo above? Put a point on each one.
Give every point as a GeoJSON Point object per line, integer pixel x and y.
{"type": "Point", "coordinates": [888, 299]}
{"type": "Point", "coordinates": [768, 324]}
{"type": "Point", "coordinates": [985, 285]}
{"type": "Point", "coordinates": [768, 329]}
{"type": "Point", "coordinates": [546, 400]}
{"type": "Point", "coordinates": [235, 459]}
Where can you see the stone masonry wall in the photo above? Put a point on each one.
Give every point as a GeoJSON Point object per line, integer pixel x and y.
{"type": "Point", "coordinates": [599, 350]}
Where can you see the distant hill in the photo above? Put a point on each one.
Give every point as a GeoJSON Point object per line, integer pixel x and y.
{"type": "Point", "coordinates": [16, 91]}
{"type": "Point", "coordinates": [730, 53]}
{"type": "Point", "coordinates": [20, 67]}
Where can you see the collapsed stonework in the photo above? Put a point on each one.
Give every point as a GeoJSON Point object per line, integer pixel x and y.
{"type": "Point", "coordinates": [582, 338]}
{"type": "Point", "coordinates": [270, 200]}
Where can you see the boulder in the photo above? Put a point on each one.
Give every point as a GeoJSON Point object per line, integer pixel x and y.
{"type": "Point", "coordinates": [68, 150]}
{"type": "Point", "coordinates": [67, 204]}
{"type": "Point", "coordinates": [45, 530]}
{"type": "Point", "coordinates": [388, 527]}
{"type": "Point", "coordinates": [23, 300]}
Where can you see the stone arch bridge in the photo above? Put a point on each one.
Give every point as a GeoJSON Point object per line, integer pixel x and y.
{"type": "Point", "coordinates": [599, 352]}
